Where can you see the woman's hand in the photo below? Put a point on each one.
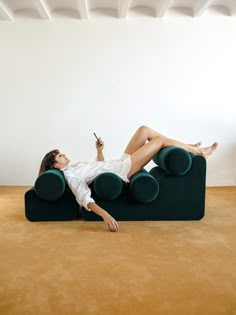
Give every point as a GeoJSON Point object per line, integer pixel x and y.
{"type": "Point", "coordinates": [99, 147]}
{"type": "Point", "coordinates": [99, 144]}
{"type": "Point", "coordinates": [110, 222]}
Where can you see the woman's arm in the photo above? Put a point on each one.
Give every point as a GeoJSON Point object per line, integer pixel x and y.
{"type": "Point", "coordinates": [108, 219]}
{"type": "Point", "coordinates": [82, 193]}
{"type": "Point", "coordinates": [99, 147]}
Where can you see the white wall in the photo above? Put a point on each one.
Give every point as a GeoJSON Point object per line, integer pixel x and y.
{"type": "Point", "coordinates": [62, 80]}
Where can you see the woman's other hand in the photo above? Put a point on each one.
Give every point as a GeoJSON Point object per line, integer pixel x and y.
{"type": "Point", "coordinates": [110, 222]}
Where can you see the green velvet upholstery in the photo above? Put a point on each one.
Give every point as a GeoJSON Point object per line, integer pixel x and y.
{"type": "Point", "coordinates": [144, 187]}
{"type": "Point", "coordinates": [65, 208]}
{"type": "Point", "coordinates": [50, 185]}
{"type": "Point", "coordinates": [108, 186]}
{"type": "Point", "coordinates": [173, 190]}
{"type": "Point", "coordinates": [173, 160]}
{"type": "Point", "coordinates": [179, 198]}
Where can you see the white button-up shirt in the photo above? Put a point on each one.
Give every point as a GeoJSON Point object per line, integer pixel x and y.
{"type": "Point", "coordinates": [80, 175]}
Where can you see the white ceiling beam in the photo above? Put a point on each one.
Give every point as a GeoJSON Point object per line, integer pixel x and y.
{"type": "Point", "coordinates": [5, 12]}
{"type": "Point", "coordinates": [163, 7]}
{"type": "Point", "coordinates": [43, 9]}
{"type": "Point", "coordinates": [124, 9]}
{"type": "Point", "coordinates": [233, 11]}
{"type": "Point", "coordinates": [83, 9]}
{"type": "Point", "coordinates": [201, 6]}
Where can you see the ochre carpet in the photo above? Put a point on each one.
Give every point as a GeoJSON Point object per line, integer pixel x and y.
{"type": "Point", "coordinates": [148, 267]}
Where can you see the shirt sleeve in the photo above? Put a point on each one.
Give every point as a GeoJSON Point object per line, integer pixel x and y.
{"type": "Point", "coordinates": [82, 192]}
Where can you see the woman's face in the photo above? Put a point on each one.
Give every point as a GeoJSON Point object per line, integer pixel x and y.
{"type": "Point", "coordinates": [61, 160]}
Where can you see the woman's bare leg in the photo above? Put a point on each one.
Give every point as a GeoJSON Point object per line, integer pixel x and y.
{"type": "Point", "coordinates": [141, 136]}
{"type": "Point", "coordinates": [145, 152]}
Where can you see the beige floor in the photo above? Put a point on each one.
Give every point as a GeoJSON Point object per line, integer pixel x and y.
{"type": "Point", "coordinates": [154, 267]}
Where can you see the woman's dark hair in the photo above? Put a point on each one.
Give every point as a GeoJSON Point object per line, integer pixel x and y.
{"type": "Point", "coordinates": [48, 161]}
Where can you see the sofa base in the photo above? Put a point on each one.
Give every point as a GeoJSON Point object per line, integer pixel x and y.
{"type": "Point", "coordinates": [64, 209]}
{"type": "Point", "coordinates": [180, 198]}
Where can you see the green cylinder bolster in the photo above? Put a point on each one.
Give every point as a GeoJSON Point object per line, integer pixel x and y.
{"type": "Point", "coordinates": [108, 186]}
{"type": "Point", "coordinates": [144, 187]}
{"type": "Point", "coordinates": [173, 160]}
{"type": "Point", "coordinates": [50, 185]}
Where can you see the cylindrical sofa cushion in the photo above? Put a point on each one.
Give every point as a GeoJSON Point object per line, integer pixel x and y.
{"type": "Point", "coordinates": [173, 160]}
{"type": "Point", "coordinates": [50, 185]}
{"type": "Point", "coordinates": [144, 187]}
{"type": "Point", "coordinates": [108, 186]}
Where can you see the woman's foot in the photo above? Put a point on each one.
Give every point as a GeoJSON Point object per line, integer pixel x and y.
{"type": "Point", "coordinates": [198, 144]}
{"type": "Point", "coordinates": [206, 152]}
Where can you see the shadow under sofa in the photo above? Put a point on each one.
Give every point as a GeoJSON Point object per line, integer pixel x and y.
{"type": "Point", "coordinates": [174, 189]}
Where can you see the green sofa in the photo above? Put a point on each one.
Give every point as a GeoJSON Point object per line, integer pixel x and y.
{"type": "Point", "coordinates": [174, 189]}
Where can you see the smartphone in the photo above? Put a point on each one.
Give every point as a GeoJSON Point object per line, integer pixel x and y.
{"type": "Point", "coordinates": [97, 139]}
{"type": "Point", "coordinates": [96, 136]}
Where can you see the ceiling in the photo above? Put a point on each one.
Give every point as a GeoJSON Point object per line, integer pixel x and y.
{"type": "Point", "coordinates": [13, 10]}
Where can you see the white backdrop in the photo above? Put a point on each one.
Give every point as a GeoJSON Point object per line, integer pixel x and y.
{"type": "Point", "coordinates": [60, 81]}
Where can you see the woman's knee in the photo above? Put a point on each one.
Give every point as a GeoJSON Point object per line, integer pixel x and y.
{"type": "Point", "coordinates": [143, 129]}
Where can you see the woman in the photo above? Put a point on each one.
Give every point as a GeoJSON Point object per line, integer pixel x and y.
{"type": "Point", "coordinates": [144, 144]}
